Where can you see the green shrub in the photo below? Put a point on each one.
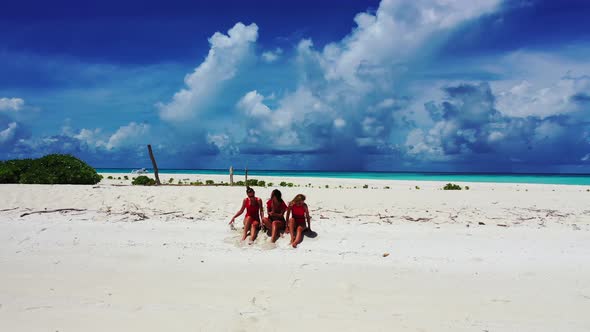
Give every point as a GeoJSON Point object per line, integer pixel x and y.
{"type": "Point", "coordinates": [126, 177]}
{"type": "Point", "coordinates": [417, 188]}
{"type": "Point", "coordinates": [119, 178]}
{"type": "Point", "coordinates": [386, 187]}
{"type": "Point", "coordinates": [11, 170]}
{"type": "Point", "coordinates": [50, 169]}
{"type": "Point", "coordinates": [252, 183]}
{"type": "Point", "coordinates": [261, 183]}
{"type": "Point", "coordinates": [143, 180]}
{"type": "Point", "coordinates": [466, 187]}
{"type": "Point", "coordinates": [170, 180]}
{"type": "Point", "coordinates": [270, 184]}
{"type": "Point", "coordinates": [100, 176]}
{"type": "Point", "coordinates": [289, 184]}
{"type": "Point", "coordinates": [365, 186]}
{"type": "Point", "coordinates": [283, 184]}
{"type": "Point", "coordinates": [110, 177]}
{"type": "Point", "coordinates": [240, 183]}
{"type": "Point", "coordinates": [209, 182]}
{"type": "Point", "coordinates": [327, 186]}
{"type": "Point", "coordinates": [452, 186]}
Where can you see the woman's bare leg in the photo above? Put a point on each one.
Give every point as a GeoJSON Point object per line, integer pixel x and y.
{"type": "Point", "coordinates": [292, 230]}
{"type": "Point", "coordinates": [247, 223]}
{"type": "Point", "coordinates": [254, 230]}
{"type": "Point", "coordinates": [299, 238]}
{"type": "Point", "coordinates": [275, 231]}
{"type": "Point", "coordinates": [266, 222]}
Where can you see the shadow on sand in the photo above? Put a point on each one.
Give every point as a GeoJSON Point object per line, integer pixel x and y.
{"type": "Point", "coordinates": [310, 234]}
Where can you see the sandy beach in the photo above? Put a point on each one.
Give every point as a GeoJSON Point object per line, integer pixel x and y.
{"type": "Point", "coordinates": [389, 257]}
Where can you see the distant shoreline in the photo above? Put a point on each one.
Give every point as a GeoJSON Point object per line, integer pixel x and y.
{"type": "Point", "coordinates": [561, 179]}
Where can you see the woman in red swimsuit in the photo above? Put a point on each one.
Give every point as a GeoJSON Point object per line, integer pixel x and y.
{"type": "Point", "coordinates": [253, 207]}
{"type": "Point", "coordinates": [300, 214]}
{"type": "Point", "coordinates": [275, 207]}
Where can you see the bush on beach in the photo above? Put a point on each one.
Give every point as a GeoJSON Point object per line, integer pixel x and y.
{"type": "Point", "coordinates": [452, 186]}
{"type": "Point", "coordinates": [143, 180]}
{"type": "Point", "coordinates": [50, 169]}
{"type": "Point", "coordinates": [11, 170]}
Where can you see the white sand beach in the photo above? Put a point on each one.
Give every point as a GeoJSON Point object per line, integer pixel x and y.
{"type": "Point", "coordinates": [389, 257]}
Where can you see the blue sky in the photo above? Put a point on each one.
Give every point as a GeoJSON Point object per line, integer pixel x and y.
{"type": "Point", "coordinates": [429, 85]}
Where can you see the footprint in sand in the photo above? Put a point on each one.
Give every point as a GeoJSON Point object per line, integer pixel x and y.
{"type": "Point", "coordinates": [296, 283]}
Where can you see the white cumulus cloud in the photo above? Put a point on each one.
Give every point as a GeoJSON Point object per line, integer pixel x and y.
{"type": "Point", "coordinates": [129, 135]}
{"type": "Point", "coordinates": [11, 104]}
{"type": "Point", "coordinates": [8, 133]}
{"type": "Point", "coordinates": [225, 56]}
{"type": "Point", "coordinates": [272, 56]}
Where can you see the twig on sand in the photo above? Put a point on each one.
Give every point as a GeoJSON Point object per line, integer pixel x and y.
{"type": "Point", "coordinates": [4, 210]}
{"type": "Point", "coordinates": [50, 211]}
{"type": "Point", "coordinates": [416, 219]}
{"type": "Point", "coordinates": [360, 215]}
{"type": "Point", "coordinates": [165, 213]}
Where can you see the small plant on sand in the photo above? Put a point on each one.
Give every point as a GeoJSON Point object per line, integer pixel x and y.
{"type": "Point", "coordinates": [452, 186]}
{"type": "Point", "coordinates": [386, 187]}
{"type": "Point", "coordinates": [110, 177]}
{"type": "Point", "coordinates": [179, 181]}
{"type": "Point", "coordinates": [283, 184]}
{"type": "Point", "coordinates": [143, 180]}
{"type": "Point", "coordinates": [365, 186]}
{"type": "Point", "coordinates": [170, 180]}
{"type": "Point", "coordinates": [466, 187]}
{"type": "Point", "coordinates": [209, 182]}
{"type": "Point", "coordinates": [126, 177]}
{"type": "Point", "coordinates": [240, 183]}
{"type": "Point", "coordinates": [261, 183]}
{"type": "Point", "coordinates": [270, 184]}
{"type": "Point", "coordinates": [289, 184]}
{"type": "Point", "coordinates": [100, 176]}
{"type": "Point", "coordinates": [417, 188]}
{"type": "Point", "coordinates": [119, 178]}
{"type": "Point", "coordinates": [327, 186]}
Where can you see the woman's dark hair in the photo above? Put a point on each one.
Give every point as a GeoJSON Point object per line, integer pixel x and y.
{"type": "Point", "coordinates": [277, 193]}
{"type": "Point", "coordinates": [249, 190]}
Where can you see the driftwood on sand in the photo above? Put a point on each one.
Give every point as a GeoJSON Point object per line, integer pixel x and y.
{"type": "Point", "coordinates": [50, 211]}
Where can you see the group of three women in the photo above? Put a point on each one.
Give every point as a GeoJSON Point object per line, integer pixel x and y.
{"type": "Point", "coordinates": [296, 222]}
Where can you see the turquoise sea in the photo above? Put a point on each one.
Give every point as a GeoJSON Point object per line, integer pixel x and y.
{"type": "Point", "coordinates": [572, 179]}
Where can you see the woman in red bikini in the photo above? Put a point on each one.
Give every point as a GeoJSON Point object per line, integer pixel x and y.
{"type": "Point", "coordinates": [253, 207]}
{"type": "Point", "coordinates": [275, 207]}
{"type": "Point", "coordinates": [300, 214]}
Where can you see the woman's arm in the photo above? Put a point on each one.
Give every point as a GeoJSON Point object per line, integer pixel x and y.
{"type": "Point", "coordinates": [288, 213]}
{"type": "Point", "coordinates": [308, 217]}
{"type": "Point", "coordinates": [261, 208]}
{"type": "Point", "coordinates": [239, 212]}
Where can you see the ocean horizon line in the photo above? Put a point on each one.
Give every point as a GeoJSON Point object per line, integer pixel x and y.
{"type": "Point", "coordinates": [532, 178]}
{"type": "Point", "coordinates": [242, 170]}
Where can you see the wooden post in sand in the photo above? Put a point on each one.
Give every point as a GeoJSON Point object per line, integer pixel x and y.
{"type": "Point", "coordinates": [154, 164]}
{"type": "Point", "coordinates": [231, 175]}
{"type": "Point", "coordinates": [247, 177]}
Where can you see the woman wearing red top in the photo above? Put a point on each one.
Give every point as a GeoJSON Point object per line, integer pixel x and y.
{"type": "Point", "coordinates": [253, 207]}
{"type": "Point", "coordinates": [300, 214]}
{"type": "Point", "coordinates": [275, 207]}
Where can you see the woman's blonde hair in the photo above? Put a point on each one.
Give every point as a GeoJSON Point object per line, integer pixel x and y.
{"type": "Point", "coordinates": [296, 199]}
